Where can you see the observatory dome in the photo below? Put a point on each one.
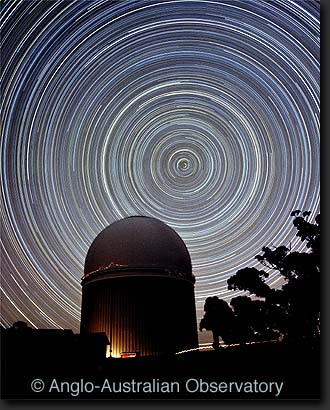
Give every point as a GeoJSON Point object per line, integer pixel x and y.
{"type": "Point", "coordinates": [138, 283]}
{"type": "Point", "coordinates": [138, 242]}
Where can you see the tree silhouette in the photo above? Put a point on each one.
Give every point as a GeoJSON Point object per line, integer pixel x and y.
{"type": "Point", "coordinates": [19, 325]}
{"type": "Point", "coordinates": [250, 279]}
{"type": "Point", "coordinates": [245, 311]}
{"type": "Point", "coordinates": [254, 319]}
{"type": "Point", "coordinates": [220, 319]}
{"type": "Point", "coordinates": [299, 296]}
{"type": "Point", "coordinates": [292, 312]}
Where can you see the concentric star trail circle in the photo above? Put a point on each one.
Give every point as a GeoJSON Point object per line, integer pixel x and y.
{"type": "Point", "coordinates": [204, 114]}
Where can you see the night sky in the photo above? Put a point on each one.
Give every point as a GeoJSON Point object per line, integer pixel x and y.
{"type": "Point", "coordinates": [203, 114]}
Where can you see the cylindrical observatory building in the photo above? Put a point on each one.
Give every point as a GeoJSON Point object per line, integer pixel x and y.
{"type": "Point", "coordinates": [138, 288]}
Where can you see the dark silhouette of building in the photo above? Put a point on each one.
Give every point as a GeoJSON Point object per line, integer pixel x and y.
{"type": "Point", "coordinates": [51, 347]}
{"type": "Point", "coordinates": [138, 288]}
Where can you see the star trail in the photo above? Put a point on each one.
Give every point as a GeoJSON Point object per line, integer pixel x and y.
{"type": "Point", "coordinates": [203, 114]}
